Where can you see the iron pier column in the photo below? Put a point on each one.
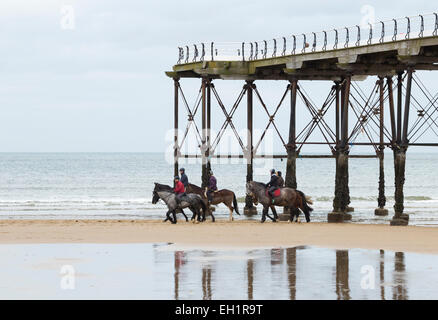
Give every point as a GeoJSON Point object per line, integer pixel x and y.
{"type": "Point", "coordinates": [291, 167]}
{"type": "Point", "coordinates": [291, 164]}
{"type": "Point", "coordinates": [249, 209]}
{"type": "Point", "coordinates": [205, 91]}
{"type": "Point", "coordinates": [175, 126]}
{"type": "Point", "coordinates": [342, 192]}
{"type": "Point", "coordinates": [399, 218]}
{"type": "Point", "coordinates": [381, 200]}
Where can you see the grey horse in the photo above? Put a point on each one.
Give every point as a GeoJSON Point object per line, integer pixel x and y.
{"type": "Point", "coordinates": [192, 201]}
{"type": "Point", "coordinates": [288, 198]}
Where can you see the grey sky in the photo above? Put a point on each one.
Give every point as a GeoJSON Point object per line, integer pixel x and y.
{"type": "Point", "coordinates": [101, 86]}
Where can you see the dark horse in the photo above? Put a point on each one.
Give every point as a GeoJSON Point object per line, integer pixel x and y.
{"type": "Point", "coordinates": [224, 196]}
{"type": "Point", "coordinates": [288, 198]}
{"type": "Point", "coordinates": [192, 201]}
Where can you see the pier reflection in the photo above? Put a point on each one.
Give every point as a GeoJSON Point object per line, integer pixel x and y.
{"type": "Point", "coordinates": [178, 262]}
{"type": "Point", "coordinates": [250, 277]}
{"type": "Point", "coordinates": [291, 260]}
{"type": "Point", "coordinates": [399, 289]}
{"type": "Point", "coordinates": [206, 282]}
{"type": "Point", "coordinates": [382, 274]}
{"type": "Point", "coordinates": [342, 274]}
{"type": "Point", "coordinates": [291, 273]}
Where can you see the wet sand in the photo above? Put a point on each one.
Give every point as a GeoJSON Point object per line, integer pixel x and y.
{"type": "Point", "coordinates": [238, 234]}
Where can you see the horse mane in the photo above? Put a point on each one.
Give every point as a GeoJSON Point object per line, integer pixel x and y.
{"type": "Point", "coordinates": [194, 186]}
{"type": "Point", "coordinates": [162, 187]}
{"type": "Point", "coordinates": [260, 184]}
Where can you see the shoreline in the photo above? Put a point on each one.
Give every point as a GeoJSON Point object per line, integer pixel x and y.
{"type": "Point", "coordinates": [222, 234]}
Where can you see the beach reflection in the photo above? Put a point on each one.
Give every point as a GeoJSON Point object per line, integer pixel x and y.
{"type": "Point", "coordinates": [166, 271]}
{"type": "Point", "coordinates": [280, 273]}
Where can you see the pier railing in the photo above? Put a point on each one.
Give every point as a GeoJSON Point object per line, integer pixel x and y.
{"type": "Point", "coordinates": [354, 36]}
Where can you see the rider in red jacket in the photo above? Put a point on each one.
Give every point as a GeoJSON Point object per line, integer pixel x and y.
{"type": "Point", "coordinates": [179, 186]}
{"type": "Point", "coordinates": [179, 189]}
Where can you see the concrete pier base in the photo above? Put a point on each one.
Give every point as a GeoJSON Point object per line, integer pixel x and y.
{"type": "Point", "coordinates": [250, 211]}
{"type": "Point", "coordinates": [347, 216]}
{"type": "Point", "coordinates": [338, 217]}
{"type": "Point", "coordinates": [402, 220]}
{"type": "Point", "coordinates": [349, 209]}
{"type": "Point", "coordinates": [381, 212]}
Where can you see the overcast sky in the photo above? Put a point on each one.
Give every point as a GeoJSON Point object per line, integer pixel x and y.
{"type": "Point", "coordinates": [101, 86]}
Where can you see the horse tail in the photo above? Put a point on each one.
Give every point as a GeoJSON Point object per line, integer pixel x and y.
{"type": "Point", "coordinates": [236, 207]}
{"type": "Point", "coordinates": [308, 200]}
{"type": "Point", "coordinates": [305, 201]}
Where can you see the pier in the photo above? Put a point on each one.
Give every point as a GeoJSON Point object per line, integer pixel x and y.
{"type": "Point", "coordinates": [390, 51]}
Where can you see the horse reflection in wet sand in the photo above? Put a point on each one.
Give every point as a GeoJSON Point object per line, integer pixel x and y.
{"type": "Point", "coordinates": [288, 198]}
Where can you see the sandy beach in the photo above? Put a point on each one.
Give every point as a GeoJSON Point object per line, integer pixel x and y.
{"type": "Point", "coordinates": [222, 234]}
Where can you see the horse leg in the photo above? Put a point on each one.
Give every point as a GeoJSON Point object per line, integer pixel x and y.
{"type": "Point", "coordinates": [292, 214]}
{"type": "Point", "coordinates": [267, 214]}
{"type": "Point", "coordinates": [265, 209]}
{"type": "Point", "coordinates": [193, 215]}
{"type": "Point", "coordinates": [182, 211]}
{"type": "Point", "coordinates": [213, 219]}
{"type": "Point", "coordinates": [167, 217]}
{"type": "Point", "coordinates": [200, 218]}
{"type": "Point", "coordinates": [174, 216]}
{"type": "Point", "coordinates": [307, 215]}
{"type": "Point", "coordinates": [203, 214]}
{"type": "Point", "coordinates": [274, 213]}
{"type": "Point", "coordinates": [231, 212]}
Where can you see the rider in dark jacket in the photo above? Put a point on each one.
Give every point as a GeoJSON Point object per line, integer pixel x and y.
{"type": "Point", "coordinates": [212, 186]}
{"type": "Point", "coordinates": [184, 179]}
{"type": "Point", "coordinates": [272, 185]}
{"type": "Point", "coordinates": [280, 180]}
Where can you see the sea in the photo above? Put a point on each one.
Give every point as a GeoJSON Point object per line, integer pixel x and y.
{"type": "Point", "coordinates": [119, 185]}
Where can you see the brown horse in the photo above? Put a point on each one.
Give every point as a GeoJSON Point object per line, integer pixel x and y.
{"type": "Point", "coordinates": [288, 198]}
{"type": "Point", "coordinates": [224, 196]}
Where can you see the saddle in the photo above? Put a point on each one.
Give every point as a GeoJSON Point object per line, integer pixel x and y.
{"type": "Point", "coordinates": [276, 192]}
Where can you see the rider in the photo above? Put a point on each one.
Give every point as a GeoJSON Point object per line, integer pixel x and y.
{"type": "Point", "coordinates": [212, 187]}
{"type": "Point", "coordinates": [272, 185]}
{"type": "Point", "coordinates": [179, 189]}
{"type": "Point", "coordinates": [184, 179]}
{"type": "Point", "coordinates": [280, 180]}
